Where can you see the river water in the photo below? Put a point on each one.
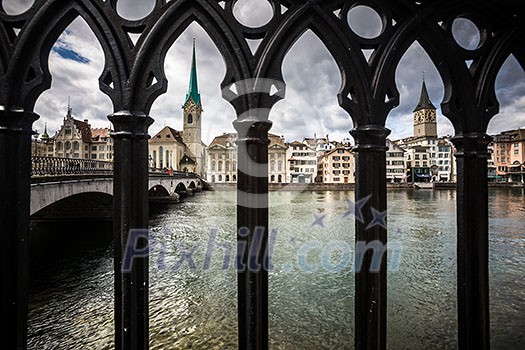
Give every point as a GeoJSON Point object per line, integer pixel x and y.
{"type": "Point", "coordinates": [193, 296]}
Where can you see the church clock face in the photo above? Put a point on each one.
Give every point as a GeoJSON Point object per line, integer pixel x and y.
{"type": "Point", "coordinates": [430, 116]}
{"type": "Point", "coordinates": [418, 117]}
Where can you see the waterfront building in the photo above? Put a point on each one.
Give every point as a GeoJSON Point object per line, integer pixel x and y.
{"type": "Point", "coordinates": [73, 140]}
{"type": "Point", "coordinates": [76, 139]}
{"type": "Point", "coordinates": [101, 144]}
{"type": "Point", "coordinates": [182, 150]}
{"type": "Point", "coordinates": [427, 156]}
{"type": "Point", "coordinates": [509, 155]}
{"type": "Point", "coordinates": [337, 166]}
{"type": "Point", "coordinates": [192, 121]}
{"type": "Point", "coordinates": [222, 159]}
{"type": "Point", "coordinates": [167, 149]}
{"type": "Point", "coordinates": [302, 162]}
{"type": "Point", "coordinates": [395, 163]}
{"type": "Point", "coordinates": [277, 159]}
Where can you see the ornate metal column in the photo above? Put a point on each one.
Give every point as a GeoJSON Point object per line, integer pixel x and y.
{"type": "Point", "coordinates": [252, 237]}
{"type": "Point", "coordinates": [370, 286]}
{"type": "Point", "coordinates": [472, 241]}
{"type": "Point", "coordinates": [130, 212]}
{"type": "Point", "coordinates": [15, 186]}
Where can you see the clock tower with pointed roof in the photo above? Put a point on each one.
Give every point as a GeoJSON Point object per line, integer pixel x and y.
{"type": "Point", "coordinates": [192, 113]}
{"type": "Point", "coordinates": [425, 115]}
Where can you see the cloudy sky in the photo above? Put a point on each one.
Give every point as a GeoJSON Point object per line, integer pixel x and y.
{"type": "Point", "coordinates": [312, 78]}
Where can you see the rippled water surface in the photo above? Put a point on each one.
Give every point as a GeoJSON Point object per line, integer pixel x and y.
{"type": "Point", "coordinates": [192, 307]}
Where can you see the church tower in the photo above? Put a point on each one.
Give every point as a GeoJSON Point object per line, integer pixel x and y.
{"type": "Point", "coordinates": [192, 112]}
{"type": "Point", "coordinates": [425, 116]}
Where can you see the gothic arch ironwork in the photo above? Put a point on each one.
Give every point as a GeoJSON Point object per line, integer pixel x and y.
{"type": "Point", "coordinates": [368, 93]}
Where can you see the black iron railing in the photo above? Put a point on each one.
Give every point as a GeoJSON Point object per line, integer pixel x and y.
{"type": "Point", "coordinates": [133, 77]}
{"type": "Point", "coordinates": [53, 166]}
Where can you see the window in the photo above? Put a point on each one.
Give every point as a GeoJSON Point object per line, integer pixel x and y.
{"type": "Point", "coordinates": [336, 158]}
{"type": "Point", "coordinates": [234, 168]}
{"type": "Point", "coordinates": [213, 178]}
{"type": "Point", "coordinates": [101, 156]}
{"type": "Point", "coordinates": [190, 119]}
{"type": "Point", "coordinates": [346, 158]}
{"type": "Point", "coordinates": [68, 131]}
{"type": "Point", "coordinates": [227, 178]}
{"type": "Point", "coordinates": [220, 178]}
{"type": "Point", "coordinates": [94, 156]}
{"type": "Point", "coordinates": [280, 165]}
{"type": "Point", "coordinates": [279, 178]}
{"type": "Point", "coordinates": [59, 146]}
{"type": "Point", "coordinates": [272, 166]}
{"type": "Point", "coordinates": [213, 167]}
{"type": "Point", "coordinates": [272, 179]}
{"type": "Point", "coordinates": [336, 179]}
{"type": "Point", "coordinates": [76, 146]}
{"type": "Point", "coordinates": [220, 167]}
{"type": "Point", "coordinates": [227, 167]}
{"type": "Point", "coordinates": [93, 148]}
{"type": "Point", "coordinates": [68, 146]}
{"type": "Point", "coordinates": [101, 148]}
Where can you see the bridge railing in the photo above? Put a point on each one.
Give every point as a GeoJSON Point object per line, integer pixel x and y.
{"type": "Point", "coordinates": [53, 166]}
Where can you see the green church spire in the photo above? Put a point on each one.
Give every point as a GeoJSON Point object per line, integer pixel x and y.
{"type": "Point", "coordinates": [424, 100]}
{"type": "Point", "coordinates": [193, 90]}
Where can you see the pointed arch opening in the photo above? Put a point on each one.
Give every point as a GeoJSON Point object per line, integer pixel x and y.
{"type": "Point", "coordinates": [312, 83]}
{"type": "Point", "coordinates": [75, 62]}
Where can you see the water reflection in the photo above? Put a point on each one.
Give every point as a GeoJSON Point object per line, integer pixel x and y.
{"type": "Point", "coordinates": [71, 303]}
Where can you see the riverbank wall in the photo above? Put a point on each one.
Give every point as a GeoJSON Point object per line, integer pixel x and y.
{"type": "Point", "coordinates": [351, 186]}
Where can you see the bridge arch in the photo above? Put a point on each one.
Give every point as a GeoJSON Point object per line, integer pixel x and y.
{"type": "Point", "coordinates": [45, 194]}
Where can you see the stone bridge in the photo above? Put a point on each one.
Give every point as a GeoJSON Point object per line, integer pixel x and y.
{"type": "Point", "coordinates": [47, 191]}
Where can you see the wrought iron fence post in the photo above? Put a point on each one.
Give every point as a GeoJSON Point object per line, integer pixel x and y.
{"type": "Point", "coordinates": [15, 181]}
{"type": "Point", "coordinates": [370, 286]}
{"type": "Point", "coordinates": [252, 225]}
{"type": "Point", "coordinates": [472, 241]}
{"type": "Point", "coordinates": [130, 189]}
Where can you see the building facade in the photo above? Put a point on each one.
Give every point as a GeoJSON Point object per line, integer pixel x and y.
{"type": "Point", "coordinates": [337, 166]}
{"type": "Point", "coordinates": [509, 155]}
{"type": "Point", "coordinates": [184, 150]}
{"type": "Point", "coordinates": [302, 163]}
{"type": "Point", "coordinates": [166, 150]}
{"type": "Point", "coordinates": [427, 156]}
{"type": "Point", "coordinates": [76, 139]}
{"type": "Point", "coordinates": [395, 163]}
{"type": "Point", "coordinates": [222, 159]}
{"type": "Point", "coordinates": [192, 122]}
